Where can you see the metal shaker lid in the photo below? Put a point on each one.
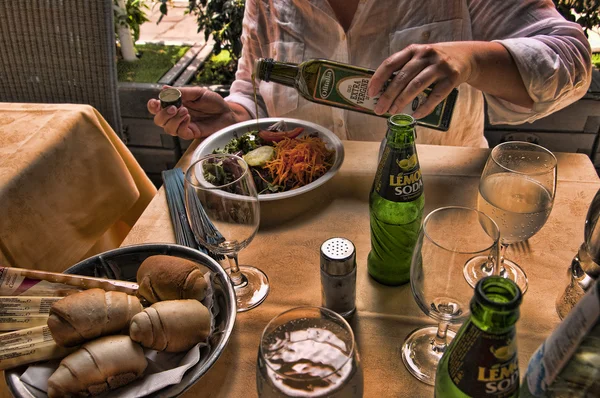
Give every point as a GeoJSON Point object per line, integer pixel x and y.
{"type": "Point", "coordinates": [338, 256]}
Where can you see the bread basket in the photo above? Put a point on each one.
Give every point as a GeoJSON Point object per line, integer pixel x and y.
{"type": "Point", "coordinates": [122, 264]}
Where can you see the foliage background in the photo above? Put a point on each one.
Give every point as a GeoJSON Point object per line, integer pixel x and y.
{"type": "Point", "coordinates": [585, 12]}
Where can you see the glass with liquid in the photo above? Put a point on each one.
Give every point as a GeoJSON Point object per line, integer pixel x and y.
{"type": "Point", "coordinates": [516, 190]}
{"type": "Point", "coordinates": [308, 352]}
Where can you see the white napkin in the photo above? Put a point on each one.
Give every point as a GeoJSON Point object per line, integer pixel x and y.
{"type": "Point", "coordinates": [164, 369]}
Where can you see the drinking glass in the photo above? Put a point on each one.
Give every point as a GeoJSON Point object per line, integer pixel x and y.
{"type": "Point", "coordinates": [308, 352]}
{"type": "Point", "coordinates": [516, 190]}
{"type": "Point", "coordinates": [224, 213]}
{"type": "Point", "coordinates": [448, 238]}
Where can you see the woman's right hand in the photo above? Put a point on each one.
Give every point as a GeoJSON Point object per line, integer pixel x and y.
{"type": "Point", "coordinates": [202, 113]}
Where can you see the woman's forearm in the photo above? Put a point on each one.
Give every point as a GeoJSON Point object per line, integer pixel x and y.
{"type": "Point", "coordinates": [494, 72]}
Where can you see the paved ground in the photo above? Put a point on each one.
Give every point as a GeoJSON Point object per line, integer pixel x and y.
{"type": "Point", "coordinates": [176, 26]}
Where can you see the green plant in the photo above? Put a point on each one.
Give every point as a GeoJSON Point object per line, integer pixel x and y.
{"type": "Point", "coordinates": [218, 69]}
{"type": "Point", "coordinates": [223, 20]}
{"type": "Point", "coordinates": [158, 59]}
{"type": "Point", "coordinates": [585, 12]}
{"type": "Point", "coordinates": [134, 17]}
{"type": "Point", "coordinates": [596, 60]}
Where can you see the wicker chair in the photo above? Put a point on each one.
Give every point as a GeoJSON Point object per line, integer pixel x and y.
{"type": "Point", "coordinates": [60, 52]}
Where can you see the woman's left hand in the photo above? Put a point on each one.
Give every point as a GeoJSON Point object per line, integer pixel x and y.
{"type": "Point", "coordinates": [417, 67]}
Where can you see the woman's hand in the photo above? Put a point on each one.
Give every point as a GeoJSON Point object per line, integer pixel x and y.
{"type": "Point", "coordinates": [487, 66]}
{"type": "Point", "coordinates": [202, 113]}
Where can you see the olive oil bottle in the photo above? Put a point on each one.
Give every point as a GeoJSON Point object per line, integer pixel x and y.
{"type": "Point", "coordinates": [345, 86]}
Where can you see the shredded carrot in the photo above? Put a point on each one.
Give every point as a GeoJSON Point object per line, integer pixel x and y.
{"type": "Point", "coordinates": [299, 161]}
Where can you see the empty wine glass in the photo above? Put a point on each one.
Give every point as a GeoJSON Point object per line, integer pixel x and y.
{"type": "Point", "coordinates": [224, 213]}
{"type": "Point", "coordinates": [308, 352]}
{"type": "Point", "coordinates": [449, 238]}
{"type": "Point", "coordinates": [516, 190]}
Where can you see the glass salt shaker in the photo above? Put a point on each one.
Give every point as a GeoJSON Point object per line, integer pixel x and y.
{"type": "Point", "coordinates": [338, 276]}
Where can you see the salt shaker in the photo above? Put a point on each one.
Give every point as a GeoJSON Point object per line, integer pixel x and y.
{"type": "Point", "coordinates": [338, 276]}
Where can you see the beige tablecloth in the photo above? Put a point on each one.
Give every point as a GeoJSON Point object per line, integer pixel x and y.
{"type": "Point", "coordinates": [288, 251]}
{"type": "Point", "coordinates": [69, 187]}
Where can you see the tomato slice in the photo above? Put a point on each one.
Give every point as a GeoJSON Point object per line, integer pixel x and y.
{"type": "Point", "coordinates": [276, 136]}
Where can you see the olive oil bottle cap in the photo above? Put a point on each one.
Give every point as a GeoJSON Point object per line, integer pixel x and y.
{"type": "Point", "coordinates": [170, 96]}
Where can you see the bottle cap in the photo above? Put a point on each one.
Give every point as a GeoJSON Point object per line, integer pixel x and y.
{"type": "Point", "coordinates": [170, 96]}
{"type": "Point", "coordinates": [338, 256]}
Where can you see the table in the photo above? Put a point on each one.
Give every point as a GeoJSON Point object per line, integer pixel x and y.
{"type": "Point", "coordinates": [69, 187]}
{"type": "Point", "coordinates": [288, 251]}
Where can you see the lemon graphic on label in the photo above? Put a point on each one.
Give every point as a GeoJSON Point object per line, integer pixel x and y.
{"type": "Point", "coordinates": [413, 160]}
{"type": "Point", "coordinates": [504, 353]}
{"type": "Point", "coordinates": [404, 164]}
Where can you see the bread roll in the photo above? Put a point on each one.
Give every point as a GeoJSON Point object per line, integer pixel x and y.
{"type": "Point", "coordinates": [171, 326]}
{"type": "Point", "coordinates": [170, 278]}
{"type": "Point", "coordinates": [98, 366]}
{"type": "Point", "coordinates": [89, 314]}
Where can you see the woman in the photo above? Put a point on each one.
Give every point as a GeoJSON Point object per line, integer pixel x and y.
{"type": "Point", "coordinates": [522, 55]}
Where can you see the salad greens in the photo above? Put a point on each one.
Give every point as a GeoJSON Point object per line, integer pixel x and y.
{"type": "Point", "coordinates": [240, 146]}
{"type": "Point", "coordinates": [246, 143]}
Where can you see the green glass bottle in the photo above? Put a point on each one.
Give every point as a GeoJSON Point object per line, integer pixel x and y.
{"type": "Point", "coordinates": [344, 86]}
{"type": "Point", "coordinates": [482, 358]}
{"type": "Point", "coordinates": [396, 204]}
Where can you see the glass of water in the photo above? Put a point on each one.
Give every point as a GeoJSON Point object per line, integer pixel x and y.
{"type": "Point", "coordinates": [516, 189]}
{"type": "Point", "coordinates": [308, 352]}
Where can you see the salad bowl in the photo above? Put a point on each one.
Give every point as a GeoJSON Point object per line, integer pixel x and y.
{"type": "Point", "coordinates": [221, 138]}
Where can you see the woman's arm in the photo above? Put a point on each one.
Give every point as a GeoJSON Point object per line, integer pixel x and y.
{"type": "Point", "coordinates": [527, 60]}
{"type": "Point", "coordinates": [487, 66]}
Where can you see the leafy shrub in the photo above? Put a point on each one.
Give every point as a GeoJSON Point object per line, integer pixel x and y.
{"type": "Point", "coordinates": [218, 69]}
{"type": "Point", "coordinates": [585, 12]}
{"type": "Point", "coordinates": [134, 18]}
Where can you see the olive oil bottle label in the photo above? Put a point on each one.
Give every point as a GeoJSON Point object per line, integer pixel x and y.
{"type": "Point", "coordinates": [483, 364]}
{"type": "Point", "coordinates": [347, 87]}
{"type": "Point", "coordinates": [398, 176]}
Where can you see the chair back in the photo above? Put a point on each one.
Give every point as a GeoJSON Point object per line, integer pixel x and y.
{"type": "Point", "coordinates": [60, 51]}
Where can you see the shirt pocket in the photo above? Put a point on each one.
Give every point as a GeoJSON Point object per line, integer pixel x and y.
{"type": "Point", "coordinates": [278, 98]}
{"type": "Point", "coordinates": [450, 30]}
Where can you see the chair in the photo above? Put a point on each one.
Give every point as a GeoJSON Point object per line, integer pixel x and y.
{"type": "Point", "coordinates": [60, 51]}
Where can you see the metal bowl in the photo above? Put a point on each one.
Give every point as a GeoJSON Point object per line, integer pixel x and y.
{"type": "Point", "coordinates": [123, 264]}
{"type": "Point", "coordinates": [222, 137]}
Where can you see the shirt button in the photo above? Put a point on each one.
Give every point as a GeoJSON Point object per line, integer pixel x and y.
{"type": "Point", "coordinates": [339, 123]}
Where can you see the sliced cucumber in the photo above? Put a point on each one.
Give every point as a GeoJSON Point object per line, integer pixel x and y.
{"type": "Point", "coordinates": [260, 156]}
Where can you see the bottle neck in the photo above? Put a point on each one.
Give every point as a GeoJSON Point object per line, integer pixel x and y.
{"type": "Point", "coordinates": [495, 305]}
{"type": "Point", "coordinates": [401, 131]}
{"type": "Point", "coordinates": [284, 73]}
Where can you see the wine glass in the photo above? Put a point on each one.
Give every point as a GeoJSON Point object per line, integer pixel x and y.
{"type": "Point", "coordinates": [517, 190]}
{"type": "Point", "coordinates": [308, 352]}
{"type": "Point", "coordinates": [448, 238]}
{"type": "Point", "coordinates": [224, 213]}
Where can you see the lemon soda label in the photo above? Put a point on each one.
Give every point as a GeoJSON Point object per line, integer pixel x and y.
{"type": "Point", "coordinates": [490, 359]}
{"type": "Point", "coordinates": [404, 182]}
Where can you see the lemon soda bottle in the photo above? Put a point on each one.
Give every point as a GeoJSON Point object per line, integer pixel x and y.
{"type": "Point", "coordinates": [482, 359]}
{"type": "Point", "coordinates": [396, 204]}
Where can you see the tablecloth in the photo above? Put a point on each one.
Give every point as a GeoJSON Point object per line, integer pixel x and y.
{"type": "Point", "coordinates": [69, 187]}
{"type": "Point", "coordinates": [287, 249]}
